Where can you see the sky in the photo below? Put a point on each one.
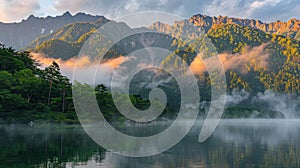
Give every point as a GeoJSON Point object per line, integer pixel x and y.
{"type": "Point", "coordinates": [265, 10]}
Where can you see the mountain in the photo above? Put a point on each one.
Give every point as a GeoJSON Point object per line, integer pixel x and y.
{"type": "Point", "coordinates": [253, 60]}
{"type": "Point", "coordinates": [291, 28]}
{"type": "Point", "coordinates": [246, 33]}
{"type": "Point", "coordinates": [72, 36]}
{"type": "Point", "coordinates": [67, 41]}
{"type": "Point", "coordinates": [257, 57]}
{"type": "Point", "coordinates": [204, 23]}
{"type": "Point", "coordinates": [269, 59]}
{"type": "Point", "coordinates": [19, 35]}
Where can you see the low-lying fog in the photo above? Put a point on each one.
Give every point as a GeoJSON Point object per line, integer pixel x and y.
{"type": "Point", "coordinates": [287, 105]}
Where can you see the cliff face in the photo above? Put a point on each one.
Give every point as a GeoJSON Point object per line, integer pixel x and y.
{"type": "Point", "coordinates": [19, 35]}
{"type": "Point", "coordinates": [291, 28]}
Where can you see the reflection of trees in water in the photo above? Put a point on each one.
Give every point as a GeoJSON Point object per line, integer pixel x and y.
{"type": "Point", "coordinates": [237, 145]}
{"type": "Point", "coordinates": [233, 145]}
{"type": "Point", "coordinates": [46, 146]}
{"type": "Point", "coordinates": [258, 143]}
{"type": "Point", "coordinates": [254, 155]}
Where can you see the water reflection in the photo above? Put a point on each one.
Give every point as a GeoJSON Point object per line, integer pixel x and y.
{"type": "Point", "coordinates": [46, 146]}
{"type": "Point", "coordinates": [235, 143]}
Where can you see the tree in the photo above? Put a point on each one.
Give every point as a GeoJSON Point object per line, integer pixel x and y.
{"type": "Point", "coordinates": [52, 75]}
{"type": "Point", "coordinates": [28, 83]}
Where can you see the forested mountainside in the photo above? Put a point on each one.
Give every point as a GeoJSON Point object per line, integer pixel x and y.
{"type": "Point", "coordinates": [281, 54]}
{"type": "Point", "coordinates": [28, 93]}
{"type": "Point", "coordinates": [19, 35]}
{"type": "Point", "coordinates": [255, 60]}
{"type": "Point", "coordinates": [72, 36]}
{"type": "Point", "coordinates": [271, 61]}
{"type": "Point", "coordinates": [67, 41]}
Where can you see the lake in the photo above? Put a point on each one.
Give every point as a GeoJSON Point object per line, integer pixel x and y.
{"type": "Point", "coordinates": [235, 143]}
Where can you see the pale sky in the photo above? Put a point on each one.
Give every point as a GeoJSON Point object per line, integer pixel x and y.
{"type": "Point", "coordinates": [265, 10]}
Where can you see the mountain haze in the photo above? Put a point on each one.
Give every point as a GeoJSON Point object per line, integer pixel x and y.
{"type": "Point", "coordinates": [257, 60]}
{"type": "Point", "coordinates": [261, 62]}
{"type": "Point", "coordinates": [260, 56]}
{"type": "Point", "coordinates": [19, 35]}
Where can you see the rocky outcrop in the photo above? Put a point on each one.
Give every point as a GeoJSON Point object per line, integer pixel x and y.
{"type": "Point", "coordinates": [291, 28]}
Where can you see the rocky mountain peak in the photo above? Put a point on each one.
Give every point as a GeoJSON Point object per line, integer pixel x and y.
{"type": "Point", "coordinates": [289, 28]}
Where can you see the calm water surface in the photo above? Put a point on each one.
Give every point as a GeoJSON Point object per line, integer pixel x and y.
{"type": "Point", "coordinates": [235, 143]}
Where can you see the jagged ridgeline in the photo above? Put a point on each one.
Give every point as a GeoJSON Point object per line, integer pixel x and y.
{"type": "Point", "coordinates": [20, 35]}
{"type": "Point", "coordinates": [257, 56]}
{"type": "Point", "coordinates": [289, 29]}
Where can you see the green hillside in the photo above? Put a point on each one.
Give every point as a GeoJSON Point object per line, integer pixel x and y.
{"type": "Point", "coordinates": [254, 60]}
{"type": "Point", "coordinates": [280, 74]}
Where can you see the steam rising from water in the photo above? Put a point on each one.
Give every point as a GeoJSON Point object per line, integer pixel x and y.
{"type": "Point", "coordinates": [288, 105]}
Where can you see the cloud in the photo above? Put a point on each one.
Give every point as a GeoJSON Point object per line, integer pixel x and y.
{"type": "Point", "coordinates": [281, 10]}
{"type": "Point", "coordinates": [86, 70]}
{"type": "Point", "coordinates": [265, 10]}
{"type": "Point", "coordinates": [260, 4]}
{"type": "Point", "coordinates": [255, 57]}
{"type": "Point", "coordinates": [117, 8]}
{"type": "Point", "coordinates": [15, 10]}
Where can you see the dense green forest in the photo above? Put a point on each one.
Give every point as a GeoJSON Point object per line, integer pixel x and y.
{"type": "Point", "coordinates": [247, 46]}
{"type": "Point", "coordinates": [29, 93]}
{"type": "Point", "coordinates": [280, 72]}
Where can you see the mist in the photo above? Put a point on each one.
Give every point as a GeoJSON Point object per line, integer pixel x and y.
{"type": "Point", "coordinates": [250, 57]}
{"type": "Point", "coordinates": [286, 104]}
{"type": "Point", "coordinates": [87, 71]}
